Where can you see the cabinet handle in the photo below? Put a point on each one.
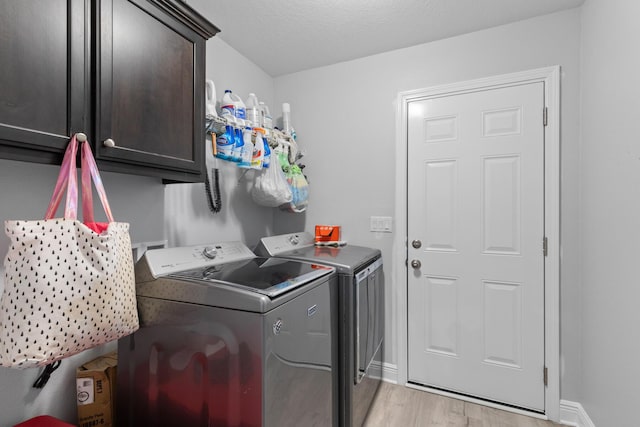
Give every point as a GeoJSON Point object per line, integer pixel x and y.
{"type": "Point", "coordinates": [81, 137]}
{"type": "Point", "coordinates": [109, 143]}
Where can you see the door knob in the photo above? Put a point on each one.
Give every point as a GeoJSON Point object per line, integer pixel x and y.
{"type": "Point", "coordinates": [109, 142]}
{"type": "Point", "coordinates": [416, 264]}
{"type": "Point", "coordinates": [416, 244]}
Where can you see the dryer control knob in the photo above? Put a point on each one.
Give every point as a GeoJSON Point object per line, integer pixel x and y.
{"type": "Point", "coordinates": [294, 240]}
{"type": "Point", "coordinates": [210, 252]}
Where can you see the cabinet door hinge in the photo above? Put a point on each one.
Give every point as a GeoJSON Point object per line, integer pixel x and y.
{"type": "Point", "coordinates": [545, 375]}
{"type": "Point", "coordinates": [545, 116]}
{"type": "Point", "coordinates": [544, 246]}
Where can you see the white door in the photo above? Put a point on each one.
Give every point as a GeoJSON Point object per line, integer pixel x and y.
{"type": "Point", "coordinates": [476, 211]}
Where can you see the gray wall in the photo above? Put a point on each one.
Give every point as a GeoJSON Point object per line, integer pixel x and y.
{"type": "Point", "coordinates": [25, 190]}
{"type": "Point", "coordinates": [344, 115]}
{"type": "Point", "coordinates": [610, 208]}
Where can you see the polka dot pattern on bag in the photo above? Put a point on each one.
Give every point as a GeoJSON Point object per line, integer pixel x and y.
{"type": "Point", "coordinates": [67, 289]}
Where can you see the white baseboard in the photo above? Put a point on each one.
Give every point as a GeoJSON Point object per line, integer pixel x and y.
{"type": "Point", "coordinates": [573, 414]}
{"type": "Point", "coordinates": [389, 371]}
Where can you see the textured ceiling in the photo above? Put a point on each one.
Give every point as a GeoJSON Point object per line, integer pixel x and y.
{"type": "Point", "coordinates": [285, 36]}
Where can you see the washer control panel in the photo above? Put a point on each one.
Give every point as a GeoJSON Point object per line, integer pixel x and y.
{"type": "Point", "coordinates": [172, 260]}
{"type": "Point", "coordinates": [276, 245]}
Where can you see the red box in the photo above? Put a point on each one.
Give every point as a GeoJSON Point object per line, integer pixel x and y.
{"type": "Point", "coordinates": [327, 233]}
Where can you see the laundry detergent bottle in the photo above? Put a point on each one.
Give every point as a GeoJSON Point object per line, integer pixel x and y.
{"type": "Point", "coordinates": [240, 108]}
{"type": "Point", "coordinates": [227, 105]}
{"type": "Point", "coordinates": [253, 110]}
{"type": "Point", "coordinates": [267, 120]}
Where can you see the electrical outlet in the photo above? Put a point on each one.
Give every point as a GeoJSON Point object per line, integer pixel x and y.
{"type": "Point", "coordinates": [381, 224]}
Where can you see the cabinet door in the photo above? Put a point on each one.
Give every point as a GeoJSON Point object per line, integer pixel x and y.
{"type": "Point", "coordinates": [150, 90]}
{"type": "Point", "coordinates": [44, 76]}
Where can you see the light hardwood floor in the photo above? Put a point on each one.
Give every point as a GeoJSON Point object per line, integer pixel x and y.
{"type": "Point", "coordinates": [398, 406]}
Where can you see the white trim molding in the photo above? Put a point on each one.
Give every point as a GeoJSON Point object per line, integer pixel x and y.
{"type": "Point", "coordinates": [389, 371]}
{"type": "Point", "coordinates": [573, 414]}
{"type": "Point", "coordinates": [550, 76]}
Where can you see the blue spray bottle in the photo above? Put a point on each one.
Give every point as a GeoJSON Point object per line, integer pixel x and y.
{"type": "Point", "coordinates": [225, 144]}
{"type": "Point", "coordinates": [238, 144]}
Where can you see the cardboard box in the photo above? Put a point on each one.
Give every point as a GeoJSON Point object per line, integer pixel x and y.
{"type": "Point", "coordinates": [327, 233]}
{"type": "Point", "coordinates": [96, 391]}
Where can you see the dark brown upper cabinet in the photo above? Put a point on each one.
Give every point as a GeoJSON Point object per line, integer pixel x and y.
{"type": "Point", "coordinates": [150, 86]}
{"type": "Point", "coordinates": [128, 73]}
{"type": "Point", "coordinates": [44, 77]}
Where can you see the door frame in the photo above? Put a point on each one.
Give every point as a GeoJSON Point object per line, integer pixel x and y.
{"type": "Point", "coordinates": [550, 76]}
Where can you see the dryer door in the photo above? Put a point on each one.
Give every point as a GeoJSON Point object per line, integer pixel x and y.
{"type": "Point", "coordinates": [363, 325]}
{"type": "Point", "coordinates": [369, 296]}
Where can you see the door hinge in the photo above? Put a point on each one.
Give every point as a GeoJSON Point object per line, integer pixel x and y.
{"type": "Point", "coordinates": [545, 376]}
{"type": "Point", "coordinates": [545, 246]}
{"type": "Point", "coordinates": [545, 116]}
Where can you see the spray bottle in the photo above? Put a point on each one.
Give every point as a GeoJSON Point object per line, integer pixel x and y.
{"type": "Point", "coordinates": [225, 144]}
{"type": "Point", "coordinates": [258, 152]}
{"type": "Point", "coordinates": [246, 155]}
{"type": "Point", "coordinates": [238, 145]}
{"type": "Point", "coordinates": [266, 162]}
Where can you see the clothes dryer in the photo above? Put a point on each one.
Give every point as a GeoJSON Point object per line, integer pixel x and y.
{"type": "Point", "coordinates": [361, 314]}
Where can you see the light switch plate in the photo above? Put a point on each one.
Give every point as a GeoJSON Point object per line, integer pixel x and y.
{"type": "Point", "coordinates": [381, 224]}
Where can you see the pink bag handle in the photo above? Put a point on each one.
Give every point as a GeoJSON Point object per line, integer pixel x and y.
{"type": "Point", "coordinates": [89, 172]}
{"type": "Point", "coordinates": [67, 179]}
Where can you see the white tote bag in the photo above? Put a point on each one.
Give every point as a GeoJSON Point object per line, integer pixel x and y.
{"type": "Point", "coordinates": [68, 285]}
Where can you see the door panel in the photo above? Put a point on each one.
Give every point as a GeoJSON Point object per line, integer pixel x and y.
{"type": "Point", "coordinates": [503, 323]}
{"type": "Point", "coordinates": [501, 205]}
{"type": "Point", "coordinates": [441, 304]}
{"type": "Point", "coordinates": [440, 207]}
{"type": "Point", "coordinates": [476, 193]}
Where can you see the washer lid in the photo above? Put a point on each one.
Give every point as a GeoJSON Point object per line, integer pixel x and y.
{"type": "Point", "coordinates": [267, 276]}
{"type": "Point", "coordinates": [299, 246]}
